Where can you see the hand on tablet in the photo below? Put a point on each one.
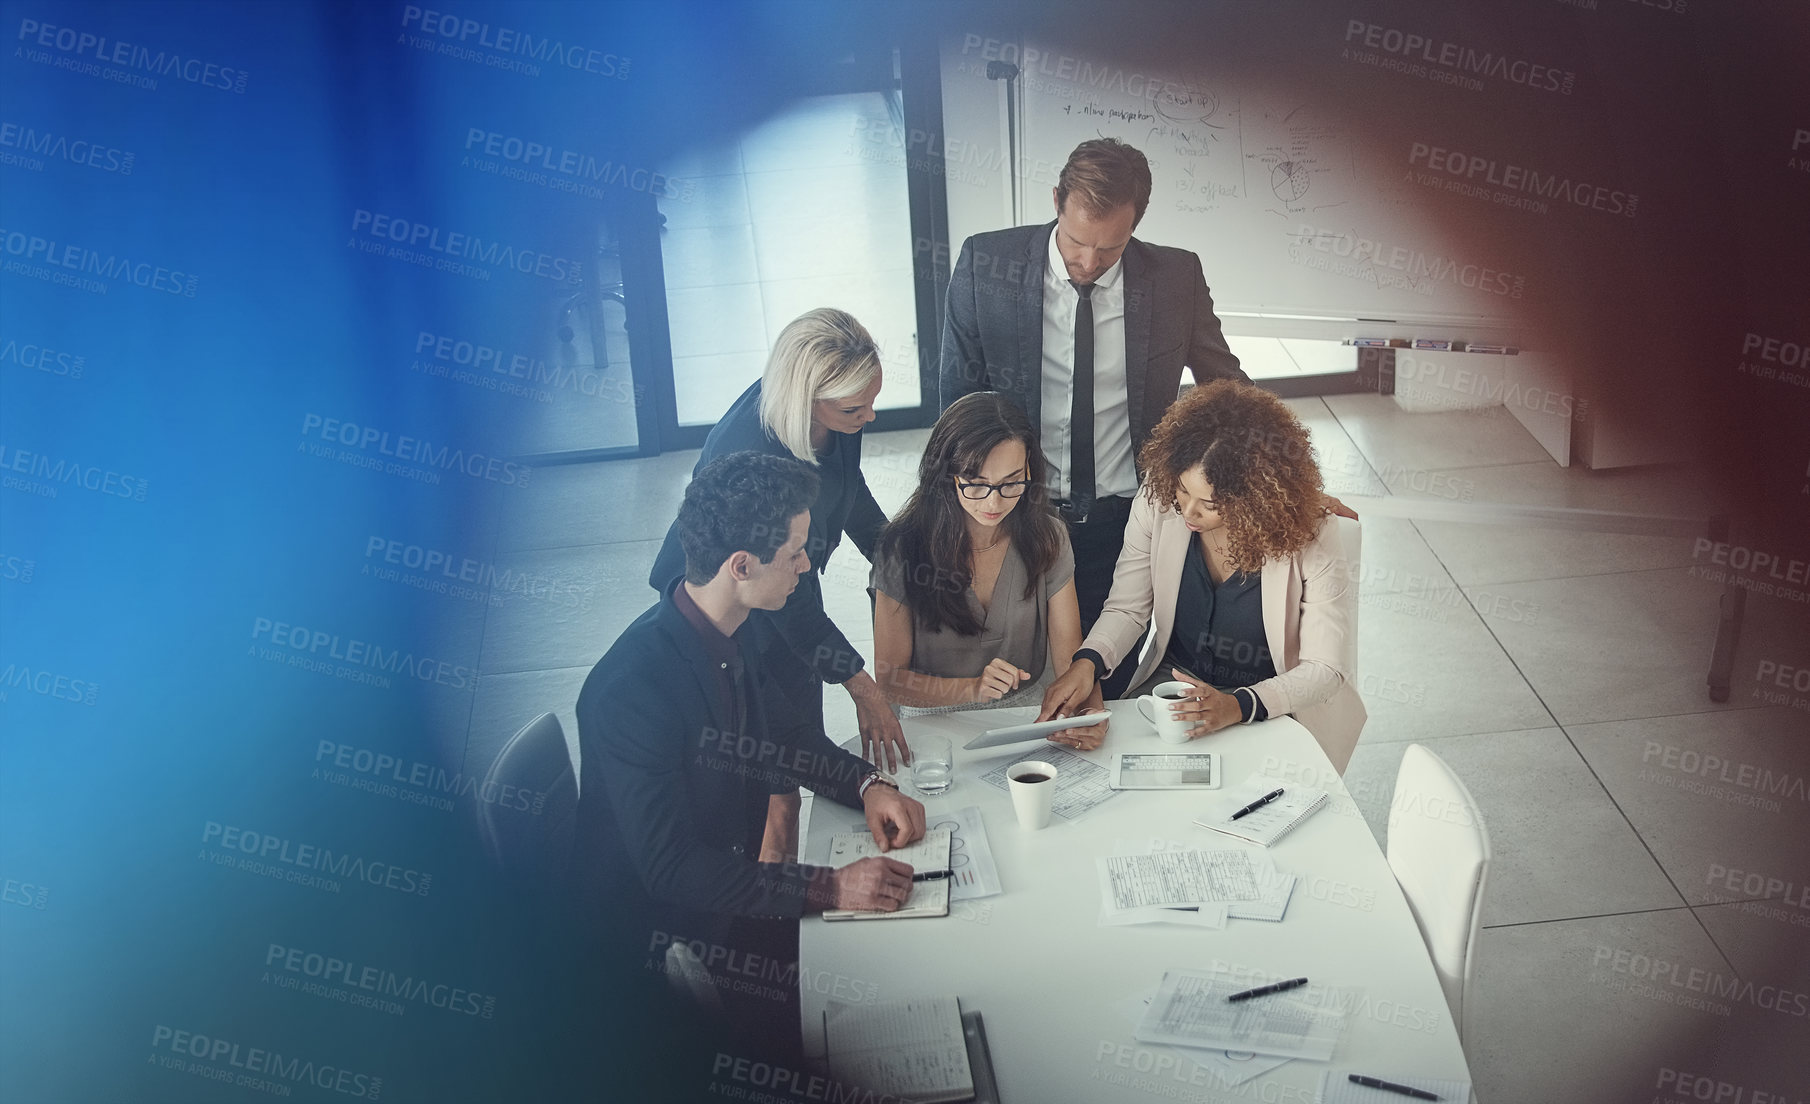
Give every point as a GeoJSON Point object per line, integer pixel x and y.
{"type": "Point", "coordinates": [1091, 737]}
{"type": "Point", "coordinates": [1070, 693]}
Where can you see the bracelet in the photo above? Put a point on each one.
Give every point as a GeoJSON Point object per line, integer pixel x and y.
{"type": "Point", "coordinates": [1247, 704]}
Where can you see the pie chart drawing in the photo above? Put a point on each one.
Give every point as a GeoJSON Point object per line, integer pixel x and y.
{"type": "Point", "coordinates": [1288, 180]}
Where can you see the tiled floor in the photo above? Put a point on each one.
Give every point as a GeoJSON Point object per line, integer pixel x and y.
{"type": "Point", "coordinates": [1269, 357]}
{"type": "Point", "coordinates": [1640, 831]}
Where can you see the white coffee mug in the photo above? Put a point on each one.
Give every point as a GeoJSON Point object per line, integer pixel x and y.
{"type": "Point", "coordinates": [1171, 729]}
{"type": "Point", "coordinates": [1032, 801]}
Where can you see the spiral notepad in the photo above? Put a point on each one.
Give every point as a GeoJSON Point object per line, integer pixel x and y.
{"type": "Point", "coordinates": [1273, 821]}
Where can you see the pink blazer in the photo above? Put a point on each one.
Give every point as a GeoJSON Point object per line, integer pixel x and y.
{"type": "Point", "coordinates": [1309, 620]}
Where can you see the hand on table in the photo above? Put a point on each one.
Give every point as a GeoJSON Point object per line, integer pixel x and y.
{"type": "Point", "coordinates": [999, 679]}
{"type": "Point", "coordinates": [876, 884]}
{"type": "Point", "coordinates": [894, 819]}
{"type": "Point", "coordinates": [1206, 709]}
{"type": "Point", "coordinates": [880, 731]}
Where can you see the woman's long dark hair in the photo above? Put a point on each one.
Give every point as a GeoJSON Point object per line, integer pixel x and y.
{"type": "Point", "coordinates": [929, 536]}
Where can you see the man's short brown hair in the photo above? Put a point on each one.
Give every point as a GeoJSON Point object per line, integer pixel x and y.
{"type": "Point", "coordinates": [1104, 174]}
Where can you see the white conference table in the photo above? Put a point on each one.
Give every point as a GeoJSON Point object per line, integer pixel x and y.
{"type": "Point", "coordinates": [1060, 994]}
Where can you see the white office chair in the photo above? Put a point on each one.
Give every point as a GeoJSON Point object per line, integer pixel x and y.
{"type": "Point", "coordinates": [1439, 852]}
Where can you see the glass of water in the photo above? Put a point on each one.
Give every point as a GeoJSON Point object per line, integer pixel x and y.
{"type": "Point", "coordinates": [932, 765]}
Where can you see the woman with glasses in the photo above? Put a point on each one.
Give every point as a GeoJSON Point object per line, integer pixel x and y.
{"type": "Point", "coordinates": [1232, 559]}
{"type": "Point", "coordinates": [974, 579]}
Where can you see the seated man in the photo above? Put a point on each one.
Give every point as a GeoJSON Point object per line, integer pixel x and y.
{"type": "Point", "coordinates": [682, 742]}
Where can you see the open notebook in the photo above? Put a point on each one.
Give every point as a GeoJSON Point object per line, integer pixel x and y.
{"type": "Point", "coordinates": [929, 853]}
{"type": "Point", "coordinates": [914, 1050]}
{"type": "Point", "coordinates": [1272, 821]}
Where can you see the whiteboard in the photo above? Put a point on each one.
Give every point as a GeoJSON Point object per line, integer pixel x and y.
{"type": "Point", "coordinates": [1270, 184]}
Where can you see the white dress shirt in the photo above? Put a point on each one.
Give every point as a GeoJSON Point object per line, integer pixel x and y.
{"type": "Point", "coordinates": [1115, 473]}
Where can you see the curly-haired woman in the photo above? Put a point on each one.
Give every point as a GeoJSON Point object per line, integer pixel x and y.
{"type": "Point", "coordinates": [1230, 552]}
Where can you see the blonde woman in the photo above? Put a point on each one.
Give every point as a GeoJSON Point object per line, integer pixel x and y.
{"type": "Point", "coordinates": [812, 402]}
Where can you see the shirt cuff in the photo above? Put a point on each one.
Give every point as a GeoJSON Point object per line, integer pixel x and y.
{"type": "Point", "coordinates": [836, 660]}
{"type": "Point", "coordinates": [1099, 662]}
{"type": "Point", "coordinates": [1250, 706]}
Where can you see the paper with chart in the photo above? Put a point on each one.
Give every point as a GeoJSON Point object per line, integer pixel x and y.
{"type": "Point", "coordinates": [1080, 785]}
{"type": "Point", "coordinates": [970, 855]}
{"type": "Point", "coordinates": [1169, 878]}
{"type": "Point", "coordinates": [929, 853]}
{"type": "Point", "coordinates": [910, 1049]}
{"type": "Point", "coordinates": [1274, 890]}
{"type": "Point", "coordinates": [1190, 1009]}
{"type": "Point", "coordinates": [1231, 1067]}
{"type": "Point", "coordinates": [1336, 1087]}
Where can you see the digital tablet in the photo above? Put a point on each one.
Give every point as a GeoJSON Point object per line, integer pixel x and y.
{"type": "Point", "coordinates": [1018, 734]}
{"type": "Point", "coordinates": [1166, 770]}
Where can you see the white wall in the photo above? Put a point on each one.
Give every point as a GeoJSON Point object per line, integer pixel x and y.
{"type": "Point", "coordinates": [1270, 192]}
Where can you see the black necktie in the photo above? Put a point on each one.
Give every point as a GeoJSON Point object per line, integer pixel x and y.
{"type": "Point", "coordinates": [1081, 415]}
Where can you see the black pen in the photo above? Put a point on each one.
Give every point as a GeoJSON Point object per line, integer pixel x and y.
{"type": "Point", "coordinates": [1390, 1086]}
{"type": "Point", "coordinates": [932, 875]}
{"type": "Point", "coordinates": [1259, 803]}
{"type": "Point", "coordinates": [1266, 990]}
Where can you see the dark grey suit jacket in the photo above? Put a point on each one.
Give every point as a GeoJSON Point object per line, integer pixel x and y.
{"type": "Point", "coordinates": [993, 327]}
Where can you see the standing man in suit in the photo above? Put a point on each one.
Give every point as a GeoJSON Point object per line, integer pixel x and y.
{"type": "Point", "coordinates": [684, 737]}
{"type": "Point", "coordinates": [1088, 329]}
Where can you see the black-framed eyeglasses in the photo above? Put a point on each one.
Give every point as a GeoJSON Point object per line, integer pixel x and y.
{"type": "Point", "coordinates": [979, 491]}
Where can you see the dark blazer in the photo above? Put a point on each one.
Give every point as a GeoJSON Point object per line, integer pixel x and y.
{"type": "Point", "coordinates": [672, 801]}
{"type": "Point", "coordinates": [993, 326]}
{"type": "Point", "coordinates": [845, 505]}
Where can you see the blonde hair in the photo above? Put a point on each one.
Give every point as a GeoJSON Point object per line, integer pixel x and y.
{"type": "Point", "coordinates": [821, 354]}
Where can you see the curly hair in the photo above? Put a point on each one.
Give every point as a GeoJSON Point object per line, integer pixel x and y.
{"type": "Point", "coordinates": [742, 502]}
{"type": "Point", "coordinates": [1255, 453]}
